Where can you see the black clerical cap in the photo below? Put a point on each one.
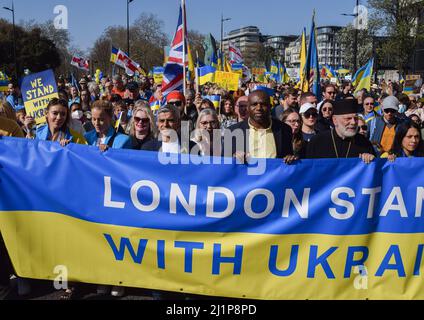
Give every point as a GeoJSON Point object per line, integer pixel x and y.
{"type": "Point", "coordinates": [346, 106]}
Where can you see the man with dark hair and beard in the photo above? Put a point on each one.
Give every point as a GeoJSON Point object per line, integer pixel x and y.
{"type": "Point", "coordinates": [343, 141]}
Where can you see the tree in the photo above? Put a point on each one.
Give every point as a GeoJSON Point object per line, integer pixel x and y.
{"type": "Point", "coordinates": [398, 20]}
{"type": "Point", "coordinates": [60, 37]}
{"type": "Point", "coordinates": [264, 56]}
{"type": "Point", "coordinates": [196, 40]}
{"type": "Point", "coordinates": [365, 45]}
{"type": "Point", "coordinates": [147, 41]}
{"type": "Point", "coordinates": [34, 51]}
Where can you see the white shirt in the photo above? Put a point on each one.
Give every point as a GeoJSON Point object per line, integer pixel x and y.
{"type": "Point", "coordinates": [171, 147]}
{"type": "Point", "coordinates": [100, 141]}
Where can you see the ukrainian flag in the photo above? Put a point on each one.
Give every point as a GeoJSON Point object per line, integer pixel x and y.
{"type": "Point", "coordinates": [227, 65]}
{"type": "Point", "coordinates": [216, 99]}
{"type": "Point", "coordinates": [358, 75]}
{"type": "Point", "coordinates": [342, 70]}
{"type": "Point", "coordinates": [118, 122]}
{"type": "Point", "coordinates": [206, 74]}
{"type": "Point", "coordinates": [274, 67]}
{"type": "Point", "coordinates": [214, 61]}
{"type": "Point", "coordinates": [329, 72]}
{"type": "Point", "coordinates": [283, 75]}
{"type": "Point", "coordinates": [114, 55]}
{"type": "Point", "coordinates": [155, 105]}
{"type": "Point", "coordinates": [4, 82]}
{"type": "Point", "coordinates": [363, 79]}
{"type": "Point", "coordinates": [408, 90]}
{"type": "Point", "coordinates": [220, 62]}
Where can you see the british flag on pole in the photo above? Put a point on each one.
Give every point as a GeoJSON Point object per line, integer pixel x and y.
{"type": "Point", "coordinates": [173, 75]}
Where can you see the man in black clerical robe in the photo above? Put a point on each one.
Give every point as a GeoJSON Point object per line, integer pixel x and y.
{"type": "Point", "coordinates": [343, 141]}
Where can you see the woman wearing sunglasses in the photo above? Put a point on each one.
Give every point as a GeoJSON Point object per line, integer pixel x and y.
{"type": "Point", "coordinates": [362, 126]}
{"type": "Point", "coordinates": [143, 128]}
{"type": "Point", "coordinates": [324, 121]}
{"type": "Point", "coordinates": [309, 115]}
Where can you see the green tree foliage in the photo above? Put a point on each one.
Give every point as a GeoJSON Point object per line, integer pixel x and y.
{"type": "Point", "coordinates": [147, 40]}
{"type": "Point", "coordinates": [397, 19]}
{"type": "Point", "coordinates": [34, 50]}
{"type": "Point", "coordinates": [365, 45]}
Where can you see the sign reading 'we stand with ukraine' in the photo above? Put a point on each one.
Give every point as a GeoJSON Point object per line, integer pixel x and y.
{"type": "Point", "coordinates": [320, 229]}
{"type": "Point", "coordinates": [37, 90]}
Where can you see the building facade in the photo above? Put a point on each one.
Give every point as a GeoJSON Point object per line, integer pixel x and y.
{"type": "Point", "coordinates": [329, 49]}
{"type": "Point", "coordinates": [248, 40]}
{"type": "Point", "coordinates": [279, 44]}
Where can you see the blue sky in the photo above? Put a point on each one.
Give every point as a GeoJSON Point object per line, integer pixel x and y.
{"type": "Point", "coordinates": [89, 18]}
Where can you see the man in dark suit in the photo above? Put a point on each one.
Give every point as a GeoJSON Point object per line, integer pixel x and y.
{"type": "Point", "coordinates": [263, 137]}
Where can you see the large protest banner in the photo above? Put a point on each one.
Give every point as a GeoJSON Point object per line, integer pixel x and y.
{"type": "Point", "coordinates": [37, 90]}
{"type": "Point", "coordinates": [320, 229]}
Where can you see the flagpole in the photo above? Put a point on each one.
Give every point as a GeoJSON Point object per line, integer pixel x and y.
{"type": "Point", "coordinates": [197, 72]}
{"type": "Point", "coordinates": [184, 46]}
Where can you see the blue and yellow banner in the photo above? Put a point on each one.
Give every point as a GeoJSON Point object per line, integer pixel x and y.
{"type": "Point", "coordinates": [37, 90]}
{"type": "Point", "coordinates": [197, 225]}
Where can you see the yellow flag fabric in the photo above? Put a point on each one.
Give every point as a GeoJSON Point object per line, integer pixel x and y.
{"type": "Point", "coordinates": [303, 85]}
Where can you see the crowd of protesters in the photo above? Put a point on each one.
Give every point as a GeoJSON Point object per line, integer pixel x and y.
{"type": "Point", "coordinates": [125, 113]}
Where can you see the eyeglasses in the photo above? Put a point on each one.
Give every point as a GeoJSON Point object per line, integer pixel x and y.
{"type": "Point", "coordinates": [365, 128]}
{"type": "Point", "coordinates": [331, 92]}
{"type": "Point", "coordinates": [390, 111]}
{"type": "Point", "coordinates": [143, 120]}
{"type": "Point", "coordinates": [310, 114]}
{"type": "Point", "coordinates": [176, 103]}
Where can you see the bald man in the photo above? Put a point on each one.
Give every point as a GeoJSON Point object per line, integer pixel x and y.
{"type": "Point", "coordinates": [264, 137]}
{"type": "Point", "coordinates": [241, 109]}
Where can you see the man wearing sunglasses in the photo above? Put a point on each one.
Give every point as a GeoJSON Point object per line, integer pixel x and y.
{"type": "Point", "coordinates": [370, 115]}
{"type": "Point", "coordinates": [177, 99]}
{"type": "Point", "coordinates": [385, 126]}
{"type": "Point", "coordinates": [343, 141]}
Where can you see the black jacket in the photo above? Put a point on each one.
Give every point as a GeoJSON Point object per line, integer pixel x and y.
{"type": "Point", "coordinates": [282, 135]}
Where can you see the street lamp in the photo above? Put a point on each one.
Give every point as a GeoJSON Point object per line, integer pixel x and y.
{"type": "Point", "coordinates": [14, 38]}
{"type": "Point", "coordinates": [355, 46]}
{"type": "Point", "coordinates": [222, 34]}
{"type": "Point", "coordinates": [128, 26]}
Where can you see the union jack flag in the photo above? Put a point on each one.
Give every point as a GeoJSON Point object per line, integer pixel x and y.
{"type": "Point", "coordinates": [235, 54]}
{"type": "Point", "coordinates": [173, 75]}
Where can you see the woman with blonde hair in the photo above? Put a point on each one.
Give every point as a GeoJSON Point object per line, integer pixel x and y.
{"type": "Point", "coordinates": [142, 126]}
{"type": "Point", "coordinates": [7, 111]}
{"type": "Point", "coordinates": [207, 135]}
